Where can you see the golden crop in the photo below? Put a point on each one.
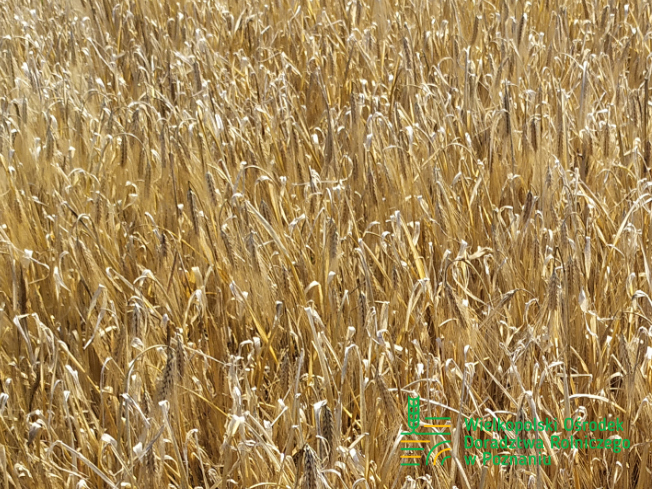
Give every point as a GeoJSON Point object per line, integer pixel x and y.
{"type": "Point", "coordinates": [236, 236]}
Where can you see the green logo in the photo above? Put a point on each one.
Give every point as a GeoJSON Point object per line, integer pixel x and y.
{"type": "Point", "coordinates": [411, 455]}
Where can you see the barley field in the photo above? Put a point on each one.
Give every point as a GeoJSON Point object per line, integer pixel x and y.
{"type": "Point", "coordinates": [238, 237]}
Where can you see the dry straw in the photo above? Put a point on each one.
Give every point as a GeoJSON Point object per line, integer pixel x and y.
{"type": "Point", "coordinates": [217, 217]}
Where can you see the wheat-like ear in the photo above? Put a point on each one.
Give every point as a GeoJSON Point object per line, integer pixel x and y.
{"type": "Point", "coordinates": [180, 356]}
{"type": "Point", "coordinates": [194, 210]}
{"type": "Point", "coordinates": [266, 211]}
{"type": "Point", "coordinates": [285, 373]}
{"type": "Point", "coordinates": [328, 433]}
{"type": "Point", "coordinates": [226, 241]}
{"type": "Point", "coordinates": [310, 469]}
{"type": "Point", "coordinates": [476, 29]}
{"type": "Point", "coordinates": [333, 241]}
{"type": "Point", "coordinates": [49, 146]}
{"type": "Point", "coordinates": [124, 151]}
{"type": "Point", "coordinates": [455, 306]}
{"type": "Point", "coordinates": [152, 465]}
{"type": "Point", "coordinates": [212, 188]}
{"type": "Point", "coordinates": [553, 291]}
{"type": "Point", "coordinates": [166, 383]}
{"type": "Point", "coordinates": [197, 75]}
{"type": "Point", "coordinates": [389, 403]}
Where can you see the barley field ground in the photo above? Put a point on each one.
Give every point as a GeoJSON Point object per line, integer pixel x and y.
{"type": "Point", "coordinates": [236, 237]}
